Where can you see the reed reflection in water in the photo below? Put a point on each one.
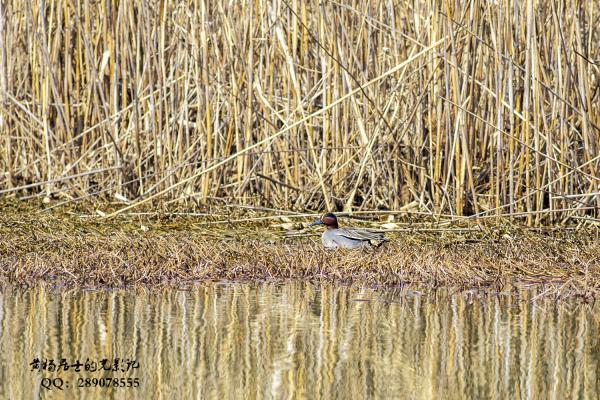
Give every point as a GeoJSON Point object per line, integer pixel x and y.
{"type": "Point", "coordinates": [302, 341]}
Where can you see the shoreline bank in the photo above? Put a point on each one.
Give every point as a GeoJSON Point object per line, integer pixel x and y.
{"type": "Point", "coordinates": [66, 251]}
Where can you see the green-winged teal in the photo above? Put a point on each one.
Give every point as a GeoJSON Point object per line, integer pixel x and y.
{"type": "Point", "coordinates": [347, 238]}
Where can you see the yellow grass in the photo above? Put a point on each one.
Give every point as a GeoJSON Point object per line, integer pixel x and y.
{"type": "Point", "coordinates": [78, 249]}
{"type": "Point", "coordinates": [486, 108]}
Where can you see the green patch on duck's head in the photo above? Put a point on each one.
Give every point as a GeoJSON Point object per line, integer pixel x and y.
{"type": "Point", "coordinates": [327, 219]}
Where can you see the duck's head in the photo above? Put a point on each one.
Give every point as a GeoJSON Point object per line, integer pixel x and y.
{"type": "Point", "coordinates": [328, 219]}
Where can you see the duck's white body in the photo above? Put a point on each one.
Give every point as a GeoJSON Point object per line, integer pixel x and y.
{"type": "Point", "coordinates": [350, 238]}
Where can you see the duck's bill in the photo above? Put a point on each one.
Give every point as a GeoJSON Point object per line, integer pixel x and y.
{"type": "Point", "coordinates": [317, 222]}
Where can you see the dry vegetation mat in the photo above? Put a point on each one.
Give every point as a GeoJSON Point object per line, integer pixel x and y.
{"type": "Point", "coordinates": [68, 249]}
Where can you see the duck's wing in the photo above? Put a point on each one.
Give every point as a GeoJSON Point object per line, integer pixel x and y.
{"type": "Point", "coordinates": [361, 234]}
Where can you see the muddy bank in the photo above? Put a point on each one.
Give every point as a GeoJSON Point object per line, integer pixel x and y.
{"type": "Point", "coordinates": [92, 252]}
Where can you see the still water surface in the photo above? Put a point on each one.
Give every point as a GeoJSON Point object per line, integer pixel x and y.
{"type": "Point", "coordinates": [299, 341]}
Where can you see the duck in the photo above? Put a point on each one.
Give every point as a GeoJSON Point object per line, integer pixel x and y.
{"type": "Point", "coordinates": [347, 238]}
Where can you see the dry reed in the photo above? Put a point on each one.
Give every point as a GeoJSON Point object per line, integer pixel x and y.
{"type": "Point", "coordinates": [484, 108]}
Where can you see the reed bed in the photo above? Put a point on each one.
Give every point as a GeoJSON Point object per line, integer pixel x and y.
{"type": "Point", "coordinates": [66, 249]}
{"type": "Point", "coordinates": [484, 108]}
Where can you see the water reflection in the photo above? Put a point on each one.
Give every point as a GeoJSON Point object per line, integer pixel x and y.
{"type": "Point", "coordinates": [301, 341]}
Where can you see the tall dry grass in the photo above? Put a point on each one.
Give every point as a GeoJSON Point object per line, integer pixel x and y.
{"type": "Point", "coordinates": [448, 107]}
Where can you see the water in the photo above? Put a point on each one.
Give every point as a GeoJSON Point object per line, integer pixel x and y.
{"type": "Point", "coordinates": [298, 341]}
